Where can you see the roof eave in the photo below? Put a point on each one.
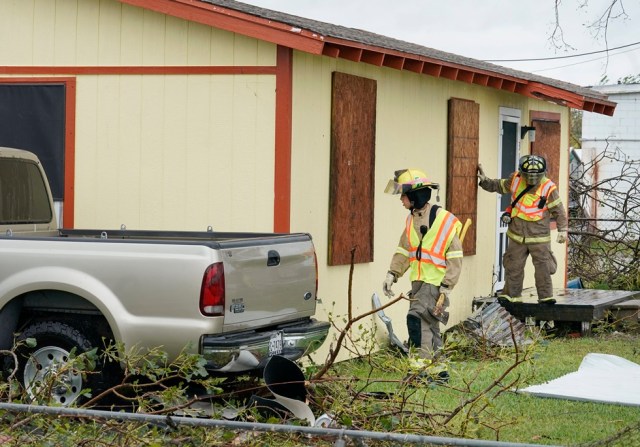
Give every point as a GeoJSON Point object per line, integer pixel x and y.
{"type": "Point", "coordinates": [433, 67]}
{"type": "Point", "coordinates": [314, 43]}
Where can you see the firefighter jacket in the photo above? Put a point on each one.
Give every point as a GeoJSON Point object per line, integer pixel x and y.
{"type": "Point", "coordinates": [435, 258]}
{"type": "Point", "coordinates": [531, 215]}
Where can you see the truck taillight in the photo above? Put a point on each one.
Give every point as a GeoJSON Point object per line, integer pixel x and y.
{"type": "Point", "coordinates": [212, 291]}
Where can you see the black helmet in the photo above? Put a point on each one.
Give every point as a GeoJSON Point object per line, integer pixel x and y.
{"type": "Point", "coordinates": [532, 168]}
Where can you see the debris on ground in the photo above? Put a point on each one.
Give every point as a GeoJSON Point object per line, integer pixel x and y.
{"type": "Point", "coordinates": [493, 325]}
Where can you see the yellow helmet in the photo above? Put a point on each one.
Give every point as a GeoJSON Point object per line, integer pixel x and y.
{"type": "Point", "coordinates": [407, 180]}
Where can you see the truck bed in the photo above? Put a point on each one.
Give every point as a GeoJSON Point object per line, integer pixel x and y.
{"type": "Point", "coordinates": [212, 239]}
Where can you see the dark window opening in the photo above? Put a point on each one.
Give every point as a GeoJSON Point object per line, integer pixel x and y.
{"type": "Point", "coordinates": [32, 117]}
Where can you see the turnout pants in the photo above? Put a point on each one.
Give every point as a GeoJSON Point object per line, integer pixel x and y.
{"type": "Point", "coordinates": [514, 260]}
{"type": "Point", "coordinates": [424, 328]}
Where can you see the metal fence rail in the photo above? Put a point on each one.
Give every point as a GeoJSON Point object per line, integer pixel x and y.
{"type": "Point", "coordinates": [339, 434]}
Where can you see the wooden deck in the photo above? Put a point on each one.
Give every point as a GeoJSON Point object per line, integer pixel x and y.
{"type": "Point", "coordinates": [581, 305]}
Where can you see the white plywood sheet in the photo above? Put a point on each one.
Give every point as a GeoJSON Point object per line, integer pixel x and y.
{"type": "Point", "coordinates": [600, 378]}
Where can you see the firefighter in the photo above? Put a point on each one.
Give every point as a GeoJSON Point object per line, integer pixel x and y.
{"type": "Point", "coordinates": [534, 201]}
{"type": "Point", "coordinates": [430, 249]}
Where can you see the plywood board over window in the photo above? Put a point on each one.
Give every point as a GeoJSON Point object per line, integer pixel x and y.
{"type": "Point", "coordinates": [462, 163]}
{"type": "Point", "coordinates": [547, 143]}
{"type": "Point", "coordinates": [351, 196]}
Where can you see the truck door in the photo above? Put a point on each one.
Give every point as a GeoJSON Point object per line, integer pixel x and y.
{"type": "Point", "coordinates": [508, 154]}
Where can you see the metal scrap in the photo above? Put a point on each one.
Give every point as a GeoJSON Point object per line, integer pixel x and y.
{"type": "Point", "coordinates": [393, 338]}
{"type": "Point", "coordinates": [492, 324]}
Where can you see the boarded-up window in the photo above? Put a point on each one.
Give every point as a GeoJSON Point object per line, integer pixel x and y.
{"type": "Point", "coordinates": [462, 162]}
{"type": "Point", "coordinates": [353, 130]}
{"type": "Point", "coordinates": [547, 145]}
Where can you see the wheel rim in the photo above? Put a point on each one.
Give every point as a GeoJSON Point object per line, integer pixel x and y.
{"type": "Point", "coordinates": [47, 369]}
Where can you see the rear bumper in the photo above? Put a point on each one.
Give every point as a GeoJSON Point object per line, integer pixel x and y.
{"type": "Point", "coordinates": [247, 351]}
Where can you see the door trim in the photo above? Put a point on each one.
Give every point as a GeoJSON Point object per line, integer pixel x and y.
{"type": "Point", "coordinates": [512, 116]}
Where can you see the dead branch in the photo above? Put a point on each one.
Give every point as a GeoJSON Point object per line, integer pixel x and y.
{"type": "Point", "coordinates": [604, 218]}
{"type": "Point", "coordinates": [333, 353]}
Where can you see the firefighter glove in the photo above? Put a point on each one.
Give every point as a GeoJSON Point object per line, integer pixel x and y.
{"type": "Point", "coordinates": [562, 237]}
{"type": "Point", "coordinates": [388, 282]}
{"type": "Point", "coordinates": [444, 291]}
{"type": "Point", "coordinates": [481, 175]}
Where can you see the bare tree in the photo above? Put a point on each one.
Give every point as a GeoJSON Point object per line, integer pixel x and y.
{"type": "Point", "coordinates": [613, 11]}
{"type": "Point", "coordinates": [604, 220]}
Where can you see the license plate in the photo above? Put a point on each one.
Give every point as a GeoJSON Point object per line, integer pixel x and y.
{"type": "Point", "coordinates": [275, 344]}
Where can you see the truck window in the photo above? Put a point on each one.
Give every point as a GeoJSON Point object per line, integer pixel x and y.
{"type": "Point", "coordinates": [23, 193]}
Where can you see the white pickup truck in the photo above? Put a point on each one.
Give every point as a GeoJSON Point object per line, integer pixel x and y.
{"type": "Point", "coordinates": [234, 298]}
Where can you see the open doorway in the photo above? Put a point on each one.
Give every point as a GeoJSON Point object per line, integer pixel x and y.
{"type": "Point", "coordinates": [508, 153]}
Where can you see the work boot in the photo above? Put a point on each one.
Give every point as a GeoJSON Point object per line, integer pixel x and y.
{"type": "Point", "coordinates": [549, 300]}
{"type": "Point", "coordinates": [510, 299]}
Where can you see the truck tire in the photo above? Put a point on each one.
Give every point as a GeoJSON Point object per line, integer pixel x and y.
{"type": "Point", "coordinates": [55, 340]}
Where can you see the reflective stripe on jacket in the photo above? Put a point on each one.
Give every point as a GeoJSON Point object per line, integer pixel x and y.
{"type": "Point", "coordinates": [527, 231]}
{"type": "Point", "coordinates": [427, 260]}
{"type": "Point", "coordinates": [528, 240]}
{"type": "Point", "coordinates": [527, 207]}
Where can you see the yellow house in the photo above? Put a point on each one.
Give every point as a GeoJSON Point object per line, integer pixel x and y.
{"type": "Point", "coordinates": [184, 114]}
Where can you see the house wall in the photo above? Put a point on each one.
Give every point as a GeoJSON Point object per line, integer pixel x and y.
{"type": "Point", "coordinates": [411, 131]}
{"type": "Point", "coordinates": [184, 151]}
{"type": "Point", "coordinates": [620, 132]}
{"type": "Point", "coordinates": [158, 151]}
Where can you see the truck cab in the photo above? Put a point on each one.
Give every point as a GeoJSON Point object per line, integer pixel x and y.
{"type": "Point", "coordinates": [25, 198]}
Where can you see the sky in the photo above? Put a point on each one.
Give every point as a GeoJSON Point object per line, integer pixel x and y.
{"type": "Point", "coordinates": [499, 30]}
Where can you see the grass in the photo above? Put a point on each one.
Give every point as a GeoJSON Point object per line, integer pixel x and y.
{"type": "Point", "coordinates": [369, 393]}
{"type": "Point", "coordinates": [512, 417]}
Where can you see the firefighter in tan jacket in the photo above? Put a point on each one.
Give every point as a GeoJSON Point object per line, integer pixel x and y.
{"type": "Point", "coordinates": [430, 248]}
{"type": "Point", "coordinates": [534, 201]}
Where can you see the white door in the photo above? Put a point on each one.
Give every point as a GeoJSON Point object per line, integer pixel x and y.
{"type": "Point", "coordinates": [508, 154]}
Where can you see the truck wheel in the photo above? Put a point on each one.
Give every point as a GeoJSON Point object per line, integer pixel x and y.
{"type": "Point", "coordinates": [55, 340]}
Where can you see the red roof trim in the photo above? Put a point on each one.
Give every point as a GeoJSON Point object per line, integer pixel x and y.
{"type": "Point", "coordinates": [481, 79]}
{"type": "Point", "coordinates": [310, 42]}
{"type": "Point", "coordinates": [413, 65]}
{"type": "Point", "coordinates": [351, 54]}
{"type": "Point", "coordinates": [372, 57]}
{"type": "Point", "coordinates": [470, 75]}
{"type": "Point", "coordinates": [432, 69]}
{"type": "Point", "coordinates": [235, 21]}
{"type": "Point", "coordinates": [392, 61]}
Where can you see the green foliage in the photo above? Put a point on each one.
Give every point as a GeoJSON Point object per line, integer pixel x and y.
{"type": "Point", "coordinates": [367, 393]}
{"type": "Point", "coordinates": [480, 395]}
{"type": "Point", "coordinates": [621, 281]}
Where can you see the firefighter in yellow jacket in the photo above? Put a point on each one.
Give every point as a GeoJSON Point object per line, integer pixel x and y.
{"type": "Point", "coordinates": [430, 249]}
{"type": "Point", "coordinates": [534, 201]}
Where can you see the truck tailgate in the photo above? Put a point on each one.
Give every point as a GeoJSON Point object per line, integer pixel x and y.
{"type": "Point", "coordinates": [268, 283]}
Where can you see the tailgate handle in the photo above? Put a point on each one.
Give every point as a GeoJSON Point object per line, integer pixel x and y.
{"type": "Point", "coordinates": [273, 258]}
